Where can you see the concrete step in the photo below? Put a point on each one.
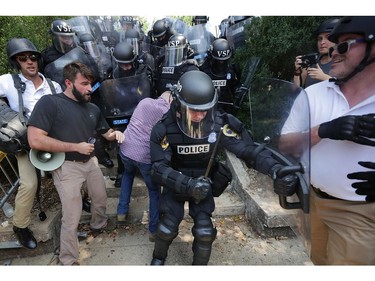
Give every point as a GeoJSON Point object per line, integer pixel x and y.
{"type": "Point", "coordinates": [262, 207]}
{"type": "Point", "coordinates": [250, 194]}
{"type": "Point", "coordinates": [47, 232]}
{"type": "Point", "coordinates": [228, 204]}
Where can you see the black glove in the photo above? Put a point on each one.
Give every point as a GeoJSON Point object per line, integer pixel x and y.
{"type": "Point", "coordinates": [239, 95]}
{"type": "Point", "coordinates": [352, 128]}
{"type": "Point", "coordinates": [367, 186]}
{"type": "Point", "coordinates": [198, 188]}
{"type": "Point", "coordinates": [285, 185]}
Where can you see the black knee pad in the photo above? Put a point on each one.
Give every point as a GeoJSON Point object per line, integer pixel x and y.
{"type": "Point", "coordinates": [203, 229]}
{"type": "Point", "coordinates": [167, 228]}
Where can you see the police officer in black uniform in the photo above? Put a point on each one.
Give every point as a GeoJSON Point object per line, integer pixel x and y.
{"type": "Point", "coordinates": [225, 76]}
{"type": "Point", "coordinates": [126, 63]}
{"type": "Point", "coordinates": [159, 36]}
{"type": "Point", "coordinates": [141, 48]}
{"type": "Point", "coordinates": [63, 41]}
{"type": "Point", "coordinates": [182, 145]}
{"type": "Point", "coordinates": [177, 60]}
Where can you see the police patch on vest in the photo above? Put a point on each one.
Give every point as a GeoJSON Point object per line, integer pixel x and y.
{"type": "Point", "coordinates": [220, 83]}
{"type": "Point", "coordinates": [229, 76]}
{"type": "Point", "coordinates": [193, 149]}
{"type": "Point", "coordinates": [168, 69]}
{"type": "Point", "coordinates": [212, 137]}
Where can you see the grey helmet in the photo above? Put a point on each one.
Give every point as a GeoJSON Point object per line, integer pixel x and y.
{"type": "Point", "coordinates": [20, 45]}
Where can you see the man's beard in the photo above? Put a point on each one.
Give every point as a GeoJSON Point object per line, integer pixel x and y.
{"type": "Point", "coordinates": [79, 96]}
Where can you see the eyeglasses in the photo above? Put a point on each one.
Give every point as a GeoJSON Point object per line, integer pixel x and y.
{"type": "Point", "coordinates": [23, 58]}
{"type": "Point", "coordinates": [344, 47]}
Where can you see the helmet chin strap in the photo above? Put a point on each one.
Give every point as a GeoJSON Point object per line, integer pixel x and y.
{"type": "Point", "coordinates": [365, 62]}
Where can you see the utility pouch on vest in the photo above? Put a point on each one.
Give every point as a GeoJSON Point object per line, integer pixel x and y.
{"type": "Point", "coordinates": [221, 178]}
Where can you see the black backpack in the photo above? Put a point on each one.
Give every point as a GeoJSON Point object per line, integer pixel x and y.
{"type": "Point", "coordinates": [13, 129]}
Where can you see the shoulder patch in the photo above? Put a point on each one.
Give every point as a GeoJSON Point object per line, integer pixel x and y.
{"type": "Point", "coordinates": [164, 143]}
{"type": "Point", "coordinates": [227, 131]}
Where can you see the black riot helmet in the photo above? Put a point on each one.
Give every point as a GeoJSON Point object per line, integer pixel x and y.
{"type": "Point", "coordinates": [63, 36]}
{"type": "Point", "coordinates": [363, 25]}
{"type": "Point", "coordinates": [195, 100]}
{"type": "Point", "coordinates": [88, 43]}
{"type": "Point", "coordinates": [357, 24]}
{"type": "Point", "coordinates": [326, 26]}
{"type": "Point", "coordinates": [159, 28]}
{"type": "Point", "coordinates": [160, 31]}
{"type": "Point", "coordinates": [200, 20]}
{"type": "Point", "coordinates": [123, 60]}
{"type": "Point", "coordinates": [133, 37]}
{"type": "Point", "coordinates": [220, 52]}
{"type": "Point", "coordinates": [17, 46]}
{"type": "Point", "coordinates": [176, 50]}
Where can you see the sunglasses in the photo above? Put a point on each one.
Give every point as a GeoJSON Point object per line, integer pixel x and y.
{"type": "Point", "coordinates": [344, 47]}
{"type": "Point", "coordinates": [23, 58]}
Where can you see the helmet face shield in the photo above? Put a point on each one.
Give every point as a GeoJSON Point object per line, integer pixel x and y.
{"type": "Point", "coordinates": [64, 43]}
{"type": "Point", "coordinates": [195, 100]}
{"type": "Point", "coordinates": [197, 124]}
{"type": "Point", "coordinates": [91, 48]}
{"type": "Point", "coordinates": [135, 43]}
{"type": "Point", "coordinates": [174, 55]}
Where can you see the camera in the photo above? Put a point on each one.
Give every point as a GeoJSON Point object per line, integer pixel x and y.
{"type": "Point", "coordinates": [309, 60]}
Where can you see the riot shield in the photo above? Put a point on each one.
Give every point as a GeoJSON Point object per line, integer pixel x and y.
{"type": "Point", "coordinates": [97, 50]}
{"type": "Point", "coordinates": [54, 70]}
{"type": "Point", "coordinates": [119, 97]}
{"type": "Point", "coordinates": [236, 33]}
{"type": "Point", "coordinates": [177, 26]}
{"type": "Point", "coordinates": [200, 39]}
{"type": "Point", "coordinates": [276, 107]}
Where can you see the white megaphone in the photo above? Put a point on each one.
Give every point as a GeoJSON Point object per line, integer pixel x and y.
{"type": "Point", "coordinates": [46, 161]}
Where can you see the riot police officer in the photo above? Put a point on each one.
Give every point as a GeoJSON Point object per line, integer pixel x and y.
{"type": "Point", "coordinates": [141, 49]}
{"type": "Point", "coordinates": [182, 144]}
{"type": "Point", "coordinates": [63, 40]}
{"type": "Point", "coordinates": [160, 35]}
{"type": "Point", "coordinates": [126, 64]}
{"type": "Point", "coordinates": [225, 76]}
{"type": "Point", "coordinates": [177, 60]}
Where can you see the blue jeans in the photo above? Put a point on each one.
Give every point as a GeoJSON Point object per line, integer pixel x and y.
{"type": "Point", "coordinates": [130, 168]}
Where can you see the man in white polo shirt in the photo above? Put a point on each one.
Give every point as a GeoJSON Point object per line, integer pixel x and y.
{"type": "Point", "coordinates": [342, 134]}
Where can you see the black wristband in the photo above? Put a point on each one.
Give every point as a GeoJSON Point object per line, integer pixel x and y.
{"type": "Point", "coordinates": [298, 72]}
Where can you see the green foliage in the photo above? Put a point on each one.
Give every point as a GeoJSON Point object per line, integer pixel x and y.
{"type": "Point", "coordinates": [276, 41]}
{"type": "Point", "coordinates": [34, 28]}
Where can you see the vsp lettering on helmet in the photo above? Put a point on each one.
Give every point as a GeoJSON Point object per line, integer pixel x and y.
{"type": "Point", "coordinates": [64, 28]}
{"type": "Point", "coordinates": [193, 149]}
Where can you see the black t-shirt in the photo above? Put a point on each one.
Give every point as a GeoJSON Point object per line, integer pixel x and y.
{"type": "Point", "coordinates": [67, 120]}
